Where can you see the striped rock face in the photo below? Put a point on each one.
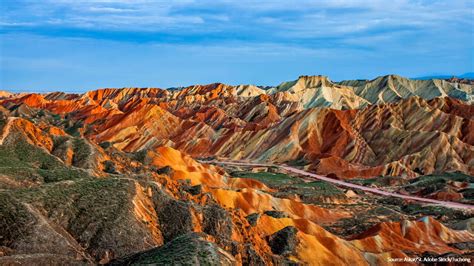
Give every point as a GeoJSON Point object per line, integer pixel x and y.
{"type": "Point", "coordinates": [388, 126]}
{"type": "Point", "coordinates": [220, 174]}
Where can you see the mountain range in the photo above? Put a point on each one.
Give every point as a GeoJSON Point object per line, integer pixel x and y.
{"type": "Point", "coordinates": [126, 176]}
{"type": "Point", "coordinates": [468, 75]}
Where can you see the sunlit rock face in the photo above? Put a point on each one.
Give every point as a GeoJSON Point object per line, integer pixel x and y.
{"type": "Point", "coordinates": [341, 128]}
{"type": "Point", "coordinates": [116, 176]}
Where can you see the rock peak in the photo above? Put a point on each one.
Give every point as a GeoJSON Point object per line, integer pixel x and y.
{"type": "Point", "coordinates": [313, 81]}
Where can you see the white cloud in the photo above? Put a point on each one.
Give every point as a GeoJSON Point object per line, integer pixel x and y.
{"type": "Point", "coordinates": [110, 9]}
{"type": "Point", "coordinates": [280, 20]}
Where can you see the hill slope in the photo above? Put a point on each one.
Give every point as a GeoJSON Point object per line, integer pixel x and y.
{"type": "Point", "coordinates": [111, 176]}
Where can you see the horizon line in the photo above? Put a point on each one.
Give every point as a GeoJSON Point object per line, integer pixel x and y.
{"type": "Point", "coordinates": [466, 75]}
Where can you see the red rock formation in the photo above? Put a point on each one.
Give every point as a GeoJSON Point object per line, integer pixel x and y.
{"type": "Point", "coordinates": [272, 125]}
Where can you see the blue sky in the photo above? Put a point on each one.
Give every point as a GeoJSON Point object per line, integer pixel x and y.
{"type": "Point", "coordinates": [81, 45]}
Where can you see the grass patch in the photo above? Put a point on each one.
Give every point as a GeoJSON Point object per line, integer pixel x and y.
{"type": "Point", "coordinates": [73, 130]}
{"type": "Point", "coordinates": [24, 161]}
{"type": "Point", "coordinates": [428, 180]}
{"type": "Point", "coordinates": [288, 184]}
{"type": "Point", "coordinates": [363, 181]}
{"type": "Point", "coordinates": [61, 174]}
{"type": "Point", "coordinates": [187, 249]}
{"type": "Point", "coordinates": [320, 186]}
{"type": "Point", "coordinates": [99, 197]}
{"type": "Point", "coordinates": [14, 220]}
{"type": "Point", "coordinates": [299, 162]}
{"type": "Point", "coordinates": [21, 154]}
{"type": "Point", "coordinates": [22, 173]}
{"type": "Point", "coordinates": [82, 151]}
{"type": "Point", "coordinates": [270, 179]}
{"type": "Point", "coordinates": [435, 211]}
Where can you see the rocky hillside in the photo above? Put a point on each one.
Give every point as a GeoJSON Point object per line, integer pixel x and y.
{"type": "Point", "coordinates": [386, 126]}
{"type": "Point", "coordinates": [113, 176]}
{"type": "Point", "coordinates": [67, 200]}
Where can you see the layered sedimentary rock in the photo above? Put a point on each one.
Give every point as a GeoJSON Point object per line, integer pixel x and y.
{"type": "Point", "coordinates": [386, 126]}
{"type": "Point", "coordinates": [111, 176]}
{"type": "Point", "coordinates": [162, 206]}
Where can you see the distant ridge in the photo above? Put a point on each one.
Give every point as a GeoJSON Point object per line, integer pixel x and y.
{"type": "Point", "coordinates": [468, 75]}
{"type": "Point", "coordinates": [325, 80]}
{"type": "Point", "coordinates": [296, 120]}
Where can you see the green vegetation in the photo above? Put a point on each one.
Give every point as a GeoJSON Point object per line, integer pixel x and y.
{"type": "Point", "coordinates": [105, 144]}
{"type": "Point", "coordinates": [270, 179]}
{"type": "Point", "coordinates": [189, 249]}
{"type": "Point", "coordinates": [363, 181]}
{"type": "Point", "coordinates": [320, 186]}
{"type": "Point", "coordinates": [468, 193]}
{"type": "Point", "coordinates": [55, 117]}
{"type": "Point", "coordinates": [100, 197]}
{"type": "Point", "coordinates": [61, 174]}
{"type": "Point", "coordinates": [22, 154]}
{"type": "Point", "coordinates": [24, 161]}
{"type": "Point", "coordinates": [428, 184]}
{"type": "Point", "coordinates": [82, 151]}
{"type": "Point", "coordinates": [22, 173]}
{"type": "Point", "coordinates": [435, 211]}
{"type": "Point", "coordinates": [96, 212]}
{"type": "Point", "coordinates": [139, 156]}
{"type": "Point", "coordinates": [14, 220]}
{"type": "Point", "coordinates": [110, 167]}
{"type": "Point", "coordinates": [73, 129]}
{"type": "Point", "coordinates": [427, 180]}
{"type": "Point", "coordinates": [299, 162]}
{"type": "Point", "coordinates": [288, 185]}
{"type": "Point", "coordinates": [380, 181]}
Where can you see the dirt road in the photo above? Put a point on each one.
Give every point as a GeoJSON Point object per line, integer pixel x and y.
{"type": "Point", "coordinates": [448, 204]}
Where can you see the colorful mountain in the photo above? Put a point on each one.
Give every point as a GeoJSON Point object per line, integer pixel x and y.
{"type": "Point", "coordinates": [119, 175]}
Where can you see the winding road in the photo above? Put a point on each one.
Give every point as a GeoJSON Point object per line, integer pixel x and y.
{"type": "Point", "coordinates": [448, 204]}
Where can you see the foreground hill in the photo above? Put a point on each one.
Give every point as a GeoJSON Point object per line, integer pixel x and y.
{"type": "Point", "coordinates": [66, 200]}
